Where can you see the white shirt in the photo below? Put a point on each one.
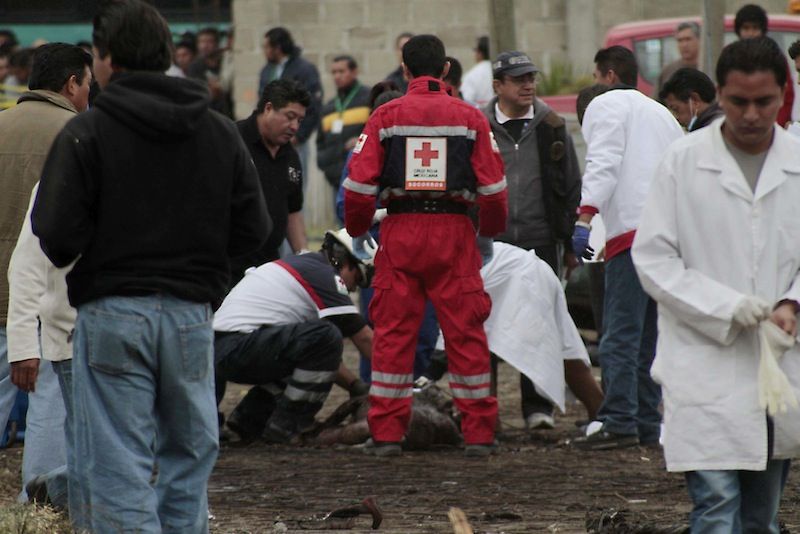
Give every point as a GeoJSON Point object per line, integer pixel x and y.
{"type": "Point", "coordinates": [476, 86]}
{"type": "Point", "coordinates": [502, 118]}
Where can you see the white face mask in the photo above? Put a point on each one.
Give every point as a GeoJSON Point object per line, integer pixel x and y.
{"type": "Point", "coordinates": [694, 117]}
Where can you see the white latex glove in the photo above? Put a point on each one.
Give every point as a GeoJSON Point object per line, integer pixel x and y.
{"type": "Point", "coordinates": [750, 311]}
{"type": "Point", "coordinates": [775, 393]}
{"type": "Point", "coordinates": [380, 214]}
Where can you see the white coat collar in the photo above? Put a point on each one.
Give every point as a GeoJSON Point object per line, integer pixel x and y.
{"type": "Point", "coordinates": [781, 161]}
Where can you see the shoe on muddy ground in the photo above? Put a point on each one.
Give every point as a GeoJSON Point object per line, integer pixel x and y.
{"type": "Point", "coordinates": [383, 449]}
{"type": "Point", "coordinates": [275, 434]}
{"type": "Point", "coordinates": [598, 439]}
{"type": "Point", "coordinates": [540, 421]}
{"type": "Point", "coordinates": [480, 450]}
{"type": "Point", "coordinates": [37, 490]}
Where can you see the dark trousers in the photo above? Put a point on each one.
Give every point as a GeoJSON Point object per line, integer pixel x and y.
{"type": "Point", "coordinates": [531, 401]}
{"type": "Point", "coordinates": [300, 359]}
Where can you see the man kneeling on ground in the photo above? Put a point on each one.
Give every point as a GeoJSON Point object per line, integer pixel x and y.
{"type": "Point", "coordinates": [281, 329]}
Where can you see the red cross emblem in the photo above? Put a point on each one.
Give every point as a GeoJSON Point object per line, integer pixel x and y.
{"type": "Point", "coordinates": [426, 154]}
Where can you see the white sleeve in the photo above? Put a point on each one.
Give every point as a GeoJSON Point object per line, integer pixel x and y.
{"type": "Point", "coordinates": [26, 281]}
{"type": "Point", "coordinates": [604, 131]}
{"type": "Point", "coordinates": [701, 302]}
{"type": "Point", "coordinates": [469, 87]}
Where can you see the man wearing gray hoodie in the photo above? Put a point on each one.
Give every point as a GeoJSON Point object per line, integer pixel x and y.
{"type": "Point", "coordinates": [544, 183]}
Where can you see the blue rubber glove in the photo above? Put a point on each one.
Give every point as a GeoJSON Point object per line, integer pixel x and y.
{"type": "Point", "coordinates": [359, 250]}
{"type": "Point", "coordinates": [486, 248]}
{"type": "Point", "coordinates": [580, 243]}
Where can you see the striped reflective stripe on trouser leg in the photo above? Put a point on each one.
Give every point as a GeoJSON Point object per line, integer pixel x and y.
{"type": "Point", "coordinates": [470, 386]}
{"type": "Point", "coordinates": [391, 385]}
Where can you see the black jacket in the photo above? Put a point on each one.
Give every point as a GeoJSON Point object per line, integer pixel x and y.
{"type": "Point", "coordinates": [331, 153]}
{"type": "Point", "coordinates": [153, 190]}
{"type": "Point", "coordinates": [707, 116]}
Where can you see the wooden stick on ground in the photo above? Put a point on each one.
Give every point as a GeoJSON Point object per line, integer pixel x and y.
{"type": "Point", "coordinates": [459, 521]}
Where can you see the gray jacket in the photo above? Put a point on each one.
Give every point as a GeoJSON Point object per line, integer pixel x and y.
{"type": "Point", "coordinates": [544, 182]}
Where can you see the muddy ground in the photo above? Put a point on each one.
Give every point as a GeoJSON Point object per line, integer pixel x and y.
{"type": "Point", "coordinates": [537, 483]}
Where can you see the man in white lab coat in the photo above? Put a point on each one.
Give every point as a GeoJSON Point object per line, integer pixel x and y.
{"type": "Point", "coordinates": [626, 134]}
{"type": "Point", "coordinates": [718, 250]}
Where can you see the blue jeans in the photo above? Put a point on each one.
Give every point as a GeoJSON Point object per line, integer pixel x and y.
{"type": "Point", "coordinates": [44, 437]}
{"type": "Point", "coordinates": [143, 397]}
{"type": "Point", "coordinates": [45, 447]}
{"type": "Point", "coordinates": [735, 502]}
{"type": "Point", "coordinates": [627, 349]}
{"type": "Point", "coordinates": [8, 391]}
{"type": "Point", "coordinates": [62, 489]}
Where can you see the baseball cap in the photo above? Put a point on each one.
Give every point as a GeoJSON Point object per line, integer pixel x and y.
{"type": "Point", "coordinates": [513, 64]}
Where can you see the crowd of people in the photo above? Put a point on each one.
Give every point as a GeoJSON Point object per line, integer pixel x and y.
{"type": "Point", "coordinates": [156, 250]}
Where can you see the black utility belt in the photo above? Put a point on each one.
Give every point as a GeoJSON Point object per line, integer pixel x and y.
{"type": "Point", "coordinates": [426, 205]}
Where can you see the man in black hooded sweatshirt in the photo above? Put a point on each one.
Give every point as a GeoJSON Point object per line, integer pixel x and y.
{"type": "Point", "coordinates": [152, 193]}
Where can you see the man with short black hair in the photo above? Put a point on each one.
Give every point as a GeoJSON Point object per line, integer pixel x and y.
{"type": "Point", "coordinates": [397, 76]}
{"type": "Point", "coordinates": [751, 21]}
{"type": "Point", "coordinates": [692, 98]}
{"type": "Point", "coordinates": [428, 157]}
{"type": "Point", "coordinates": [149, 193]}
{"type": "Point", "coordinates": [687, 36]}
{"type": "Point", "coordinates": [343, 118]}
{"type": "Point", "coordinates": [544, 185]}
{"type": "Point", "coordinates": [626, 133]}
{"type": "Point", "coordinates": [268, 133]}
{"type": "Point", "coordinates": [728, 296]}
{"type": "Point", "coordinates": [207, 68]}
{"type": "Point", "coordinates": [59, 82]}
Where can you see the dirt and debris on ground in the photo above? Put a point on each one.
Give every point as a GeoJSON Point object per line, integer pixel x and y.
{"type": "Point", "coordinates": [537, 483]}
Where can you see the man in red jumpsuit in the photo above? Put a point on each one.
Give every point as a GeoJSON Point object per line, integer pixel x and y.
{"type": "Point", "coordinates": [429, 156]}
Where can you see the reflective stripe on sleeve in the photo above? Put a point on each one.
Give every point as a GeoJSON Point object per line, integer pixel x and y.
{"type": "Point", "coordinates": [392, 378]}
{"type": "Point", "coordinates": [493, 188]}
{"type": "Point", "coordinates": [356, 187]}
{"type": "Point", "coordinates": [428, 131]}
{"type": "Point", "coordinates": [313, 377]}
{"type": "Point", "coordinates": [465, 393]}
{"type": "Point", "coordinates": [469, 380]}
{"type": "Point", "coordinates": [389, 393]}
{"type": "Point", "coordinates": [295, 394]}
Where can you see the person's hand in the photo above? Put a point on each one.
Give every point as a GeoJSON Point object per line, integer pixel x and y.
{"type": "Point", "coordinates": [24, 374]}
{"type": "Point", "coordinates": [580, 242]}
{"type": "Point", "coordinates": [785, 316]}
{"type": "Point", "coordinates": [359, 248]}
{"type": "Point", "coordinates": [750, 311]}
{"type": "Point", "coordinates": [350, 143]}
{"type": "Point", "coordinates": [358, 388]}
{"type": "Point", "coordinates": [571, 263]}
{"type": "Point", "coordinates": [486, 248]}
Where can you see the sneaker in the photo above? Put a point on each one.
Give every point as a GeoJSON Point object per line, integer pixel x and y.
{"type": "Point", "coordinates": [383, 449]}
{"type": "Point", "coordinates": [540, 421]}
{"type": "Point", "coordinates": [597, 439]}
{"type": "Point", "coordinates": [480, 450]}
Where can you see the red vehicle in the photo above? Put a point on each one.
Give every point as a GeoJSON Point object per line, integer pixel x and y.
{"type": "Point", "coordinates": [653, 43]}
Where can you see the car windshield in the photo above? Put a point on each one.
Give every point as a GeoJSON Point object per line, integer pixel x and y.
{"type": "Point", "coordinates": [654, 54]}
